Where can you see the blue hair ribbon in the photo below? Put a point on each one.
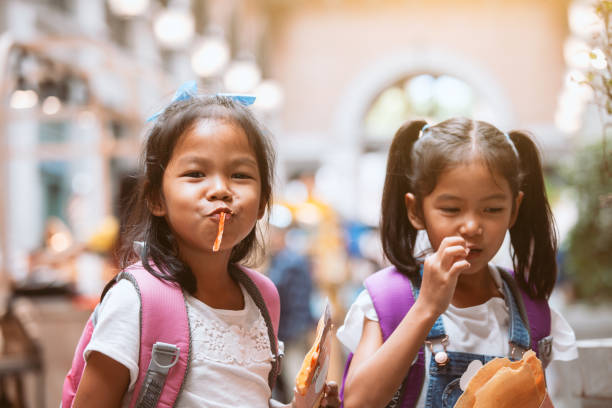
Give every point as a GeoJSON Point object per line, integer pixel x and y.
{"type": "Point", "coordinates": [245, 100]}
{"type": "Point", "coordinates": [189, 89]}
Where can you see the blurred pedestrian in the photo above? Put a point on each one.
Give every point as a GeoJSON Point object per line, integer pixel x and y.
{"type": "Point", "coordinates": [291, 272]}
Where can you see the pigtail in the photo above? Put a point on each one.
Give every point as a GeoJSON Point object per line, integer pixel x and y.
{"type": "Point", "coordinates": [397, 233]}
{"type": "Point", "coordinates": [533, 235]}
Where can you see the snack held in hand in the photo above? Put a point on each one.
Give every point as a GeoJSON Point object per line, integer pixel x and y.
{"type": "Point", "coordinates": [502, 383]}
{"type": "Point", "coordinates": [217, 243]}
{"type": "Point", "coordinates": [310, 381]}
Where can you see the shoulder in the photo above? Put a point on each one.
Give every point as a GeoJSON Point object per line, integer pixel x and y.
{"type": "Point", "coordinates": [117, 330]}
{"type": "Point", "coordinates": [264, 284]}
{"type": "Point", "coordinates": [392, 296]}
{"type": "Point", "coordinates": [268, 292]}
{"type": "Point", "coordinates": [535, 311]}
{"type": "Point", "coordinates": [147, 284]}
{"type": "Point", "coordinates": [123, 296]}
{"type": "Point", "coordinates": [388, 281]}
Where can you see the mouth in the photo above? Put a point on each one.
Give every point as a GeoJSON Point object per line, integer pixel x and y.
{"type": "Point", "coordinates": [216, 213]}
{"type": "Point", "coordinates": [473, 252]}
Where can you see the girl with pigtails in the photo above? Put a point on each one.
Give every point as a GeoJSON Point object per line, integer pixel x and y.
{"type": "Point", "coordinates": [418, 324]}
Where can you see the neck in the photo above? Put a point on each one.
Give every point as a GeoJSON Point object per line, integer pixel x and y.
{"type": "Point", "coordinates": [475, 289]}
{"type": "Point", "coordinates": [215, 286]}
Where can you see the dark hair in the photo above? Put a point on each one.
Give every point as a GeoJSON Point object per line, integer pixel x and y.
{"type": "Point", "coordinates": [154, 232]}
{"type": "Point", "coordinates": [414, 165]}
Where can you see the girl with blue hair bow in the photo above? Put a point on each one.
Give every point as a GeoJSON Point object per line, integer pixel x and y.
{"type": "Point", "coordinates": [206, 183]}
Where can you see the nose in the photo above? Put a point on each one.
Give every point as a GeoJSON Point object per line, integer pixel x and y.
{"type": "Point", "coordinates": [470, 227]}
{"type": "Point", "coordinates": [218, 189]}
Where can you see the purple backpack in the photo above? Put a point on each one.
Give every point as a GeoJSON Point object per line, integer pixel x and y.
{"type": "Point", "coordinates": [392, 296]}
{"type": "Point", "coordinates": [165, 338]}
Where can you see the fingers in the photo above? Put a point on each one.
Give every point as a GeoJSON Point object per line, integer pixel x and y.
{"type": "Point", "coordinates": [459, 267]}
{"type": "Point", "coordinates": [330, 395]}
{"type": "Point", "coordinates": [451, 251]}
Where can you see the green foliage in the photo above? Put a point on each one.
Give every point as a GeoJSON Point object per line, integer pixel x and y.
{"type": "Point", "coordinates": [589, 250]}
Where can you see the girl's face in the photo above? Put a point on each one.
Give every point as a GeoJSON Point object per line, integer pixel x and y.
{"type": "Point", "coordinates": [471, 202]}
{"type": "Point", "coordinates": [213, 169]}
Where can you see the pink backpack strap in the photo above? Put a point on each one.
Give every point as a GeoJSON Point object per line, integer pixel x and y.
{"type": "Point", "coordinates": [72, 380]}
{"type": "Point", "coordinates": [269, 292]}
{"type": "Point", "coordinates": [265, 295]}
{"type": "Point", "coordinates": [163, 318]}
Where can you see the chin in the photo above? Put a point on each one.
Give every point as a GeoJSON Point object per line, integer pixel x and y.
{"type": "Point", "coordinates": [476, 267]}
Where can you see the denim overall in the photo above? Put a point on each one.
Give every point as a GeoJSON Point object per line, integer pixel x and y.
{"type": "Point", "coordinates": [443, 389]}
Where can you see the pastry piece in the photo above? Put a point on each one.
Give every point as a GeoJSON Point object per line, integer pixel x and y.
{"type": "Point", "coordinates": [502, 383]}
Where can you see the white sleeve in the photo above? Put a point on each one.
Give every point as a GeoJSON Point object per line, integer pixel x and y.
{"type": "Point", "coordinates": [564, 346]}
{"type": "Point", "coordinates": [350, 332]}
{"type": "Point", "coordinates": [117, 330]}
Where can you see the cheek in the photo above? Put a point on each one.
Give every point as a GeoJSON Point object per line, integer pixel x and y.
{"type": "Point", "coordinates": [436, 235]}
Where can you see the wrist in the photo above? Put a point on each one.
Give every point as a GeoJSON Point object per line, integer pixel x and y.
{"type": "Point", "coordinates": [424, 312]}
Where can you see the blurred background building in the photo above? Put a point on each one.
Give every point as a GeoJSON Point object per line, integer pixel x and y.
{"type": "Point", "coordinates": [334, 79]}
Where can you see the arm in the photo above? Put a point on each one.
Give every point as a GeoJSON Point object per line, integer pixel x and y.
{"type": "Point", "coordinates": [378, 368]}
{"type": "Point", "coordinates": [103, 384]}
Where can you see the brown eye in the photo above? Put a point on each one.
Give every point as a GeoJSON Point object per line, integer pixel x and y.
{"type": "Point", "coordinates": [493, 209]}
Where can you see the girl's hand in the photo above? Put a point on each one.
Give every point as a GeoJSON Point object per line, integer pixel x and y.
{"type": "Point", "coordinates": [330, 398]}
{"type": "Point", "coordinates": [330, 395]}
{"type": "Point", "coordinates": [440, 273]}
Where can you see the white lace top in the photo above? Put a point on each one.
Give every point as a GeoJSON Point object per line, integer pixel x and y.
{"type": "Point", "coordinates": [230, 358]}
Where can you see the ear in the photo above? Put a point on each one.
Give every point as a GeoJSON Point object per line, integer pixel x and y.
{"type": "Point", "coordinates": [411, 208]}
{"type": "Point", "coordinates": [157, 206]}
{"type": "Point", "coordinates": [517, 205]}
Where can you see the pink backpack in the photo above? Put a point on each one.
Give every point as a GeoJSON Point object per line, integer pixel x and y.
{"type": "Point", "coordinates": [165, 338]}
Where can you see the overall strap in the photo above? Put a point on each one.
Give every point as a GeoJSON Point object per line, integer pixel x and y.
{"type": "Point", "coordinates": [437, 330]}
{"type": "Point", "coordinates": [264, 294]}
{"type": "Point", "coordinates": [392, 296]}
{"type": "Point", "coordinates": [165, 339]}
{"type": "Point", "coordinates": [518, 333]}
{"type": "Point", "coordinates": [535, 313]}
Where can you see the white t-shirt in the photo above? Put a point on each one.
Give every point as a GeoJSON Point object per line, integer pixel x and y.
{"type": "Point", "coordinates": [230, 356]}
{"type": "Point", "coordinates": [480, 329]}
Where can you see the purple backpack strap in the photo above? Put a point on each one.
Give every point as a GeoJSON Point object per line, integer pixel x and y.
{"type": "Point", "coordinates": [392, 296]}
{"type": "Point", "coordinates": [536, 311]}
{"type": "Point", "coordinates": [538, 315]}
{"type": "Point", "coordinates": [163, 318]}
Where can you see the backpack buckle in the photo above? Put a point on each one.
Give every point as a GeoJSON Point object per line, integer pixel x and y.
{"type": "Point", "coordinates": [516, 352]}
{"type": "Point", "coordinates": [163, 357]}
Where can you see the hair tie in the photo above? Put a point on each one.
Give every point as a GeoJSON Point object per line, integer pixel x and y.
{"type": "Point", "coordinates": [423, 130]}
{"type": "Point", "coordinates": [511, 144]}
{"type": "Point", "coordinates": [189, 89]}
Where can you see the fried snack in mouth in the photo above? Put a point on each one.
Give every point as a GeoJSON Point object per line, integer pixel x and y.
{"type": "Point", "coordinates": [217, 243]}
{"type": "Point", "coordinates": [502, 383]}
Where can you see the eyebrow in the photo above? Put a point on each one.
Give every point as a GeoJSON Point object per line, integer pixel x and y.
{"type": "Point", "coordinates": [244, 160]}
{"type": "Point", "coordinates": [450, 197]}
